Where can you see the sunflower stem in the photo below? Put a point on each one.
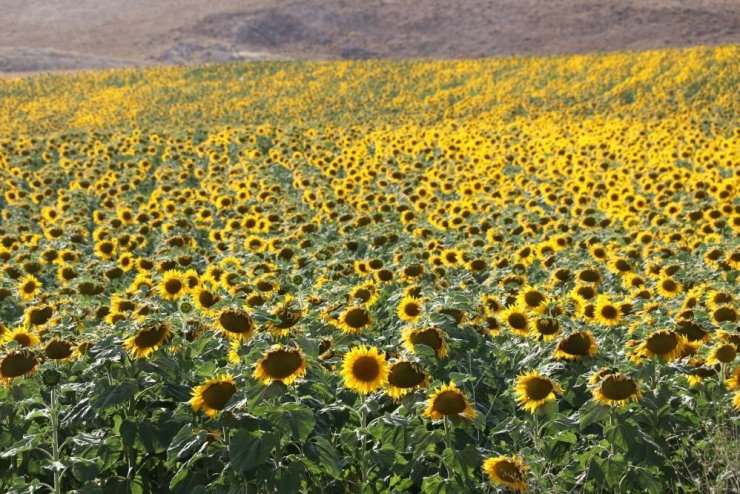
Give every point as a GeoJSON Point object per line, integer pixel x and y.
{"type": "Point", "coordinates": [363, 426]}
{"type": "Point", "coordinates": [54, 418]}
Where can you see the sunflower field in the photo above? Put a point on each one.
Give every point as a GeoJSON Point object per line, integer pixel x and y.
{"type": "Point", "coordinates": [515, 274]}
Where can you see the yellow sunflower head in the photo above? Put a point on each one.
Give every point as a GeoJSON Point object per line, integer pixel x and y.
{"type": "Point", "coordinates": [665, 344]}
{"type": "Point", "coordinates": [615, 389]}
{"type": "Point", "coordinates": [354, 319]}
{"type": "Point", "coordinates": [409, 309]}
{"type": "Point", "coordinates": [28, 287]}
{"type": "Point", "coordinates": [280, 364]}
{"type": "Point", "coordinates": [23, 337]}
{"type": "Point", "coordinates": [448, 401]}
{"type": "Point", "coordinates": [534, 390]}
{"type": "Point", "coordinates": [576, 346]}
{"type": "Point", "coordinates": [506, 470]}
{"type": "Point", "coordinates": [430, 336]}
{"type": "Point", "coordinates": [148, 339]}
{"type": "Point", "coordinates": [723, 353]}
{"type": "Point", "coordinates": [404, 377]}
{"type": "Point", "coordinates": [516, 320]}
{"type": "Point", "coordinates": [607, 312]}
{"type": "Point", "coordinates": [235, 323]}
{"type": "Point", "coordinates": [364, 369]}
{"type": "Point", "coordinates": [213, 395]}
{"type": "Point", "coordinates": [173, 285]}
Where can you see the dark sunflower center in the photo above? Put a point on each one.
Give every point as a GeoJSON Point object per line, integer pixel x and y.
{"type": "Point", "coordinates": [281, 363]}
{"type": "Point", "coordinates": [58, 349]}
{"type": "Point", "coordinates": [726, 353]}
{"type": "Point", "coordinates": [449, 403]}
{"type": "Point", "coordinates": [264, 286]}
{"type": "Point", "coordinates": [405, 375]}
{"type": "Point", "coordinates": [206, 299]}
{"type": "Point", "coordinates": [428, 337]}
{"type": "Point", "coordinates": [704, 372]}
{"type": "Point", "coordinates": [586, 292]}
{"type": "Point", "coordinates": [365, 369]}
{"type": "Point", "coordinates": [363, 294]}
{"type": "Point", "coordinates": [662, 343]}
{"type": "Point", "coordinates": [106, 248]}
{"type": "Point", "coordinates": [126, 306]}
{"type": "Point", "coordinates": [413, 270]}
{"type": "Point", "coordinates": [618, 388]}
{"type": "Point", "coordinates": [622, 265]}
{"type": "Point", "coordinates": [589, 276]}
{"type": "Point", "coordinates": [722, 298]}
{"type": "Point", "coordinates": [235, 322]}
{"type": "Point", "coordinates": [22, 339]}
{"type": "Point", "coordinates": [173, 287]}
{"type": "Point", "coordinates": [547, 326]}
{"type": "Point", "coordinates": [692, 331]}
{"type": "Point", "coordinates": [288, 318]}
{"type": "Point", "coordinates": [609, 312]}
{"type": "Point", "coordinates": [356, 318]}
{"type": "Point", "coordinates": [29, 287]}
{"type": "Point", "coordinates": [411, 309]}
{"type": "Point", "coordinates": [725, 314]}
{"type": "Point", "coordinates": [517, 321]}
{"type": "Point", "coordinates": [576, 344]}
{"type": "Point", "coordinates": [451, 257]}
{"type": "Point", "coordinates": [478, 265]}
{"type": "Point", "coordinates": [508, 471]}
{"type": "Point", "coordinates": [534, 299]}
{"type": "Point", "coordinates": [149, 337]}
{"type": "Point", "coordinates": [218, 394]}
{"type": "Point", "coordinates": [669, 285]}
{"type": "Point", "coordinates": [17, 364]}
{"type": "Point", "coordinates": [538, 388]}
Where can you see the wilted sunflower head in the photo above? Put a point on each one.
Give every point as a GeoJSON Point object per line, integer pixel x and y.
{"type": "Point", "coordinates": [59, 349]}
{"type": "Point", "coordinates": [665, 344]}
{"type": "Point", "coordinates": [448, 401]}
{"type": "Point", "coordinates": [364, 369]}
{"type": "Point", "coordinates": [213, 395]}
{"type": "Point", "coordinates": [280, 364]}
{"type": "Point", "coordinates": [506, 470]}
{"type": "Point", "coordinates": [576, 346]}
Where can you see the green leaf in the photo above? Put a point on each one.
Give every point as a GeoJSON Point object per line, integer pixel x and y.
{"type": "Point", "coordinates": [107, 396]}
{"type": "Point", "coordinates": [185, 443]}
{"type": "Point", "coordinates": [321, 452]}
{"type": "Point", "coordinates": [596, 413]}
{"type": "Point", "coordinates": [248, 450]}
{"type": "Point", "coordinates": [293, 418]}
{"type": "Point", "coordinates": [127, 432]}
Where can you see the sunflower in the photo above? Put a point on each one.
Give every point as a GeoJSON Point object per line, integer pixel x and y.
{"type": "Point", "coordinates": [668, 287]}
{"type": "Point", "coordinates": [172, 286]}
{"type": "Point", "coordinates": [17, 363]}
{"type": "Point", "coordinates": [404, 377]}
{"type": "Point", "coordinates": [366, 293]}
{"type": "Point", "coordinates": [354, 319]}
{"type": "Point", "coordinates": [412, 272]}
{"type": "Point", "coordinates": [576, 346]}
{"type": "Point", "coordinates": [506, 470]}
{"type": "Point", "coordinates": [409, 309]}
{"type": "Point", "coordinates": [288, 314]}
{"type": "Point", "coordinates": [204, 298]}
{"type": "Point", "coordinates": [235, 323]}
{"type": "Point", "coordinates": [213, 395]}
{"type": "Point", "coordinates": [430, 336]}
{"type": "Point", "coordinates": [532, 299]}
{"type": "Point", "coordinates": [533, 390]}
{"type": "Point", "coordinates": [29, 287]}
{"type": "Point", "coordinates": [724, 354]}
{"type": "Point", "coordinates": [59, 349]}
{"type": "Point", "coordinates": [717, 298]}
{"type": "Point", "coordinates": [38, 315]}
{"type": "Point", "coordinates": [148, 339]}
{"type": "Point", "coordinates": [733, 382]}
{"type": "Point", "coordinates": [23, 337]}
{"type": "Point", "coordinates": [448, 401]}
{"type": "Point", "coordinates": [545, 328]}
{"type": "Point", "coordinates": [280, 364]}
{"type": "Point", "coordinates": [615, 389]}
{"type": "Point", "coordinates": [606, 312]}
{"type": "Point", "coordinates": [666, 344]}
{"type": "Point", "coordinates": [364, 369]}
{"type": "Point", "coordinates": [724, 313]}
{"type": "Point", "coordinates": [517, 321]}
{"type": "Point", "coordinates": [490, 304]}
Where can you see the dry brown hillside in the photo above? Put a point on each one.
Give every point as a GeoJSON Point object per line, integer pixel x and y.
{"type": "Point", "coordinates": [71, 34]}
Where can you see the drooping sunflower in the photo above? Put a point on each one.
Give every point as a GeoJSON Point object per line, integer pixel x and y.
{"type": "Point", "coordinates": [213, 395]}
{"type": "Point", "coordinates": [533, 390]}
{"type": "Point", "coordinates": [615, 389]}
{"type": "Point", "coordinates": [235, 323]}
{"type": "Point", "coordinates": [724, 354]}
{"type": "Point", "coordinates": [517, 320]}
{"type": "Point", "coordinates": [404, 377]}
{"type": "Point", "coordinates": [29, 287]}
{"type": "Point", "coordinates": [22, 336]}
{"type": "Point", "coordinates": [665, 344]}
{"type": "Point", "coordinates": [606, 312]}
{"type": "Point", "coordinates": [724, 313]}
{"type": "Point", "coordinates": [448, 401]}
{"type": "Point", "coordinates": [409, 309]}
{"type": "Point", "coordinates": [576, 346]}
{"type": "Point", "coordinates": [280, 364]}
{"type": "Point", "coordinates": [17, 363]}
{"type": "Point", "coordinates": [173, 285]}
{"type": "Point", "coordinates": [59, 349]}
{"type": "Point", "coordinates": [430, 336]}
{"type": "Point", "coordinates": [506, 470]}
{"type": "Point", "coordinates": [148, 339]}
{"type": "Point", "coordinates": [364, 369]}
{"type": "Point", "coordinates": [354, 319]}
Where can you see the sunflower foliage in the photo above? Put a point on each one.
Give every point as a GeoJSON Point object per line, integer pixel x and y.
{"type": "Point", "coordinates": [473, 276]}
